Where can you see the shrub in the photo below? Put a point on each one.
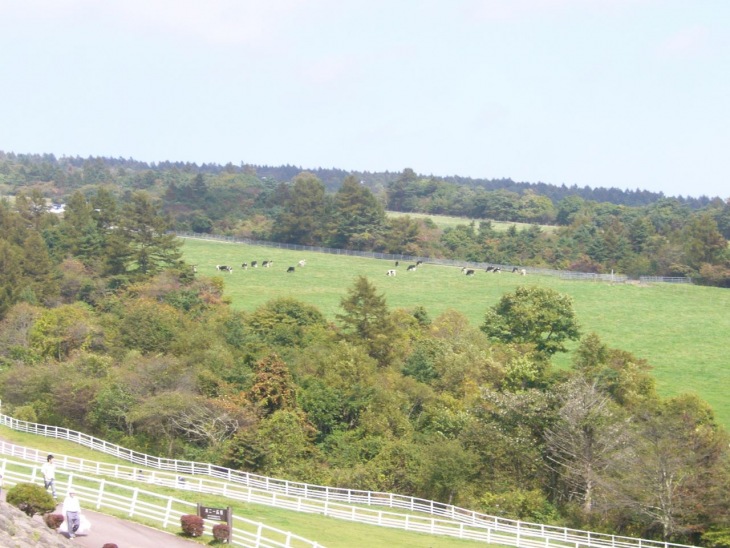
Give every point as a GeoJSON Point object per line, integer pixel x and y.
{"type": "Point", "coordinates": [25, 413]}
{"type": "Point", "coordinates": [717, 539]}
{"type": "Point", "coordinates": [31, 499]}
{"type": "Point", "coordinates": [53, 520]}
{"type": "Point", "coordinates": [220, 532]}
{"type": "Point", "coordinates": [192, 525]}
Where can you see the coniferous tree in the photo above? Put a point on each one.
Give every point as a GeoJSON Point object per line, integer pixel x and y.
{"type": "Point", "coordinates": [303, 216]}
{"type": "Point", "coordinates": [359, 218]}
{"type": "Point", "coordinates": [367, 321]}
{"type": "Point", "coordinates": [39, 272]}
{"type": "Point", "coordinates": [144, 228]}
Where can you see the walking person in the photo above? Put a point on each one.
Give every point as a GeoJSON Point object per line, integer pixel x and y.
{"type": "Point", "coordinates": [71, 511]}
{"type": "Point", "coordinates": [49, 475]}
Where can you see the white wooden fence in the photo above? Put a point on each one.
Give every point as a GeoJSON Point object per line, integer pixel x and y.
{"type": "Point", "coordinates": [301, 496]}
{"type": "Point", "coordinates": [133, 502]}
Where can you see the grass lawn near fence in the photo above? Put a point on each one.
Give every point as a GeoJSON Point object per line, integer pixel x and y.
{"type": "Point", "coordinates": [329, 532]}
{"type": "Point", "coordinates": [680, 329]}
{"type": "Point", "coordinates": [57, 446]}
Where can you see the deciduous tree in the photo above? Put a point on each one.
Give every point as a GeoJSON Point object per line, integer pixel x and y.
{"type": "Point", "coordinates": [536, 315]}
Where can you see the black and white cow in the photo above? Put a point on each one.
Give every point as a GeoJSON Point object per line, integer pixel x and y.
{"type": "Point", "coordinates": [254, 264]}
{"type": "Point", "coordinates": [302, 262]}
{"type": "Point", "coordinates": [290, 269]}
{"type": "Point", "coordinates": [419, 263]}
{"type": "Point", "coordinates": [467, 271]}
{"type": "Point", "coordinates": [224, 268]}
{"type": "Point", "coordinates": [391, 272]}
{"type": "Point", "coordinates": [267, 264]}
{"type": "Point", "coordinates": [244, 266]}
{"type": "Point", "coordinates": [411, 267]}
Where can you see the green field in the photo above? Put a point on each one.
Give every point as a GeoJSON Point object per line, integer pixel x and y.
{"type": "Point", "coordinates": [449, 221]}
{"type": "Point", "coordinates": [680, 329]}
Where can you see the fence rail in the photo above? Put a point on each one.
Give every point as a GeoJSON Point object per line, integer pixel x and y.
{"type": "Point", "coordinates": [333, 495]}
{"type": "Point", "coordinates": [134, 502]}
{"type": "Point", "coordinates": [477, 530]}
{"type": "Point", "coordinates": [565, 274]}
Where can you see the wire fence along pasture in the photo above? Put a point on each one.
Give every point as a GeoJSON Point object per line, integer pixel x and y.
{"type": "Point", "coordinates": [563, 274]}
{"type": "Point", "coordinates": [450, 520]}
{"type": "Point", "coordinates": [160, 510]}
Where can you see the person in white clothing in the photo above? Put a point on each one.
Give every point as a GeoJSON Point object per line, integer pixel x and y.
{"type": "Point", "coordinates": [72, 510]}
{"type": "Point", "coordinates": [49, 475]}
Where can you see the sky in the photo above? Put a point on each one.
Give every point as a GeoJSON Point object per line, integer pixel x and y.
{"type": "Point", "coordinates": [633, 94]}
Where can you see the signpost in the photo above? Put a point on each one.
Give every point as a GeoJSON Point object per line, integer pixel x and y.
{"type": "Point", "coordinates": [218, 514]}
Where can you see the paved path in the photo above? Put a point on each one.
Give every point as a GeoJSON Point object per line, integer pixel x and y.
{"type": "Point", "coordinates": [126, 534]}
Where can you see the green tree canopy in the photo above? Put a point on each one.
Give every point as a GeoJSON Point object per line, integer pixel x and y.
{"type": "Point", "coordinates": [534, 315]}
{"type": "Point", "coordinates": [359, 217]}
{"type": "Point", "coordinates": [302, 219]}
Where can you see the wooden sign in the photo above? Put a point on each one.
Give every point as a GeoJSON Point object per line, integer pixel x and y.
{"type": "Point", "coordinates": [218, 514]}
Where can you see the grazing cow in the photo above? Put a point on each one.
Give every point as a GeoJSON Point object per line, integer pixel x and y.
{"type": "Point", "coordinates": [489, 269]}
{"type": "Point", "coordinates": [224, 268]}
{"type": "Point", "coordinates": [523, 272]}
{"type": "Point", "coordinates": [302, 262]}
{"type": "Point", "coordinates": [515, 269]}
{"type": "Point", "coordinates": [254, 264]}
{"type": "Point", "coordinates": [411, 267]}
{"type": "Point", "coordinates": [391, 273]}
{"type": "Point", "coordinates": [244, 266]}
{"type": "Point", "coordinates": [497, 270]}
{"type": "Point", "coordinates": [469, 272]}
{"type": "Point", "coordinates": [419, 263]}
{"type": "Point", "coordinates": [290, 269]}
{"type": "Point", "coordinates": [396, 264]}
{"type": "Point", "coordinates": [267, 264]}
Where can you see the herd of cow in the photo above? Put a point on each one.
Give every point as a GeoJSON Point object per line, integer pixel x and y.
{"type": "Point", "coordinates": [391, 272]}
{"type": "Point", "coordinates": [464, 270]}
{"type": "Point", "coordinates": [254, 264]}
{"type": "Point", "coordinates": [494, 269]}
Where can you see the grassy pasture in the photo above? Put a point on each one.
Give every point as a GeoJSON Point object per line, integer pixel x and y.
{"type": "Point", "coordinates": [681, 330]}
{"type": "Point", "coordinates": [449, 221]}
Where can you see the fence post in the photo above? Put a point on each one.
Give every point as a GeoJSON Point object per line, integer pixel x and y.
{"type": "Point", "coordinates": [167, 513]}
{"type": "Point", "coordinates": [101, 493]}
{"type": "Point", "coordinates": [133, 502]}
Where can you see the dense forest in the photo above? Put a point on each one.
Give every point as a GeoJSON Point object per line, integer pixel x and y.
{"type": "Point", "coordinates": [104, 329]}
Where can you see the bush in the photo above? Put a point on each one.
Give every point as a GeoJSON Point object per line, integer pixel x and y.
{"type": "Point", "coordinates": [717, 539]}
{"type": "Point", "coordinates": [53, 521]}
{"type": "Point", "coordinates": [31, 499]}
{"type": "Point", "coordinates": [192, 525]}
{"type": "Point", "coordinates": [220, 532]}
{"type": "Point", "coordinates": [25, 413]}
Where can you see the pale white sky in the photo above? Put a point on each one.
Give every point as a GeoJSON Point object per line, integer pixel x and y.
{"type": "Point", "coordinates": [624, 93]}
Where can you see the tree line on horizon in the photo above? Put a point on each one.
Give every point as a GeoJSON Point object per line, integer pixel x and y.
{"type": "Point", "coordinates": [665, 237]}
